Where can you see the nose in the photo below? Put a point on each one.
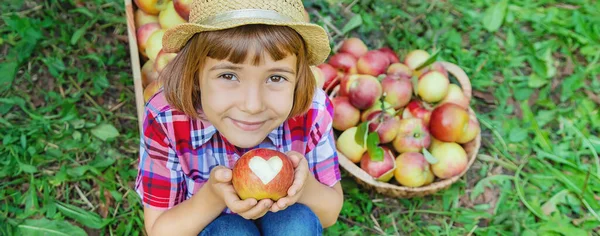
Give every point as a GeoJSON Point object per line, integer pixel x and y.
{"type": "Point", "coordinates": [252, 102]}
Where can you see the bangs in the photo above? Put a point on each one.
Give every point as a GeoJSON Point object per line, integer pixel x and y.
{"type": "Point", "coordinates": [236, 44]}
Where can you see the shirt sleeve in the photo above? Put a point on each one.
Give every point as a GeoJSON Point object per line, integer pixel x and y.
{"type": "Point", "coordinates": [322, 153]}
{"type": "Point", "coordinates": [160, 181]}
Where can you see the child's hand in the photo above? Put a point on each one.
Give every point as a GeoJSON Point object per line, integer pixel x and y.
{"type": "Point", "coordinates": [300, 178]}
{"type": "Point", "coordinates": [220, 182]}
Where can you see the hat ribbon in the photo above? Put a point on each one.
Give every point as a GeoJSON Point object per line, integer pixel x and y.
{"type": "Point", "coordinates": [246, 14]}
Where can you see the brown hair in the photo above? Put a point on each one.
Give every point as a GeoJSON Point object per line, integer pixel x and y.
{"type": "Point", "coordinates": [181, 77]}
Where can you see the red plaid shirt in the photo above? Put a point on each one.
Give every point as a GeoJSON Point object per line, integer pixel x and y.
{"type": "Point", "coordinates": [177, 153]}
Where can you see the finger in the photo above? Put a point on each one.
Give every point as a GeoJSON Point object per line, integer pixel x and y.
{"type": "Point", "coordinates": [258, 210]}
{"type": "Point", "coordinates": [238, 205]}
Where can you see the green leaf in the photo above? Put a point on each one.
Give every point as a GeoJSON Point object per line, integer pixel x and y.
{"type": "Point", "coordinates": [517, 134]}
{"type": "Point", "coordinates": [82, 216]}
{"type": "Point", "coordinates": [78, 171]}
{"type": "Point", "coordinates": [105, 132]}
{"type": "Point", "coordinates": [361, 133]}
{"type": "Point", "coordinates": [375, 152]}
{"type": "Point", "coordinates": [429, 61]}
{"type": "Point", "coordinates": [353, 23]}
{"type": "Point", "coordinates": [49, 228]}
{"type": "Point", "coordinates": [430, 158]}
{"type": "Point", "coordinates": [494, 16]}
{"type": "Point", "coordinates": [536, 81]}
{"type": "Point", "coordinates": [415, 83]}
{"type": "Point", "coordinates": [8, 70]}
{"type": "Point", "coordinates": [27, 168]}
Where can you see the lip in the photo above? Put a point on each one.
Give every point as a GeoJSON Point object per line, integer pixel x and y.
{"type": "Point", "coordinates": [246, 125]}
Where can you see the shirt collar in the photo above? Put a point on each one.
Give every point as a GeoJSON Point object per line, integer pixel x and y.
{"type": "Point", "coordinates": [201, 131]}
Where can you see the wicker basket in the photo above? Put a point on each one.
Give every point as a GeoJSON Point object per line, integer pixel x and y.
{"type": "Point", "coordinates": [394, 190]}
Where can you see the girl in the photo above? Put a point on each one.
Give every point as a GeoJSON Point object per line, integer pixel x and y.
{"type": "Point", "coordinates": [241, 80]}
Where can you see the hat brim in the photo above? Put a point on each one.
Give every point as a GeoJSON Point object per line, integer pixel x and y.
{"type": "Point", "coordinates": [315, 37]}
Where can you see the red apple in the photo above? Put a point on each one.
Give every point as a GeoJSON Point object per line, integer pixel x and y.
{"type": "Point", "coordinates": [455, 95]}
{"type": "Point", "coordinates": [347, 145]}
{"type": "Point", "coordinates": [169, 18]}
{"type": "Point", "coordinates": [142, 18]}
{"type": "Point", "coordinates": [376, 108]}
{"type": "Point", "coordinates": [451, 160]}
{"type": "Point", "coordinates": [413, 170]}
{"type": "Point", "coordinates": [149, 74]}
{"type": "Point", "coordinates": [471, 132]}
{"type": "Point", "coordinates": [372, 63]}
{"type": "Point", "coordinates": [344, 62]}
{"type": "Point", "coordinates": [154, 44]}
{"type": "Point", "coordinates": [183, 8]}
{"type": "Point", "coordinates": [364, 91]}
{"type": "Point", "coordinates": [399, 69]}
{"type": "Point", "coordinates": [152, 7]}
{"type": "Point", "coordinates": [415, 58]}
{"type": "Point", "coordinates": [413, 135]}
{"type": "Point", "coordinates": [432, 86]}
{"type": "Point", "coordinates": [398, 91]}
{"type": "Point", "coordinates": [345, 115]}
{"type": "Point", "coordinates": [152, 89]}
{"type": "Point", "coordinates": [329, 74]}
{"type": "Point", "coordinates": [391, 55]}
{"type": "Point", "coordinates": [415, 109]}
{"type": "Point", "coordinates": [143, 34]}
{"type": "Point", "coordinates": [262, 174]}
{"type": "Point", "coordinates": [163, 59]}
{"type": "Point", "coordinates": [448, 122]}
{"type": "Point", "coordinates": [382, 170]}
{"type": "Point", "coordinates": [354, 46]}
{"type": "Point", "coordinates": [385, 124]}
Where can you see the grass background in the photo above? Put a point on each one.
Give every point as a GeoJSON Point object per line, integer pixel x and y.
{"type": "Point", "coordinates": [69, 137]}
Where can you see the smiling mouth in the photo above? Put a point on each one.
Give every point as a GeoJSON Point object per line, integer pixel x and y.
{"type": "Point", "coordinates": [247, 126]}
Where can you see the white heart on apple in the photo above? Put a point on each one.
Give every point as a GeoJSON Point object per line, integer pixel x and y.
{"type": "Point", "coordinates": [265, 170]}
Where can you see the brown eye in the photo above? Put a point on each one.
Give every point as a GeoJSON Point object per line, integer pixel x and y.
{"type": "Point", "coordinates": [228, 77]}
{"type": "Point", "coordinates": [277, 79]}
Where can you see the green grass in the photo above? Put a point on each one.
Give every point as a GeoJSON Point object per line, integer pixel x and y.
{"type": "Point", "coordinates": [69, 138]}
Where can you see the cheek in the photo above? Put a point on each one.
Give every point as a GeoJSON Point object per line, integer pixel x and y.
{"type": "Point", "coordinates": [282, 100]}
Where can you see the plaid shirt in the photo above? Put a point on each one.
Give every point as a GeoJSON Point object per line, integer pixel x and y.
{"type": "Point", "coordinates": [177, 153]}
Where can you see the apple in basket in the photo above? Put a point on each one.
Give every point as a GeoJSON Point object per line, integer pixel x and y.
{"type": "Point", "coordinates": [413, 135]}
{"type": "Point", "coordinates": [455, 95]}
{"type": "Point", "coordinates": [448, 122]}
{"type": "Point", "coordinates": [451, 160]}
{"type": "Point", "coordinates": [169, 18]}
{"type": "Point", "coordinates": [382, 170]}
{"type": "Point", "coordinates": [183, 8]}
{"type": "Point", "coordinates": [354, 46]}
{"type": "Point", "coordinates": [432, 86]}
{"type": "Point", "coordinates": [263, 174]}
{"type": "Point", "coordinates": [415, 58]}
{"type": "Point", "coordinates": [413, 170]}
{"type": "Point", "coordinates": [152, 7]}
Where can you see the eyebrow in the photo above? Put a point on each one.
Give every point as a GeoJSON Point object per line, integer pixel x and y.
{"type": "Point", "coordinates": [282, 69]}
{"type": "Point", "coordinates": [225, 66]}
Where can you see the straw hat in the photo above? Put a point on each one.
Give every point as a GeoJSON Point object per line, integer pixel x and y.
{"type": "Point", "coordinates": [211, 15]}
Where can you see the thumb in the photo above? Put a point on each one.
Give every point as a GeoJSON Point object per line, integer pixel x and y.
{"type": "Point", "coordinates": [222, 174]}
{"type": "Point", "coordinates": [295, 157]}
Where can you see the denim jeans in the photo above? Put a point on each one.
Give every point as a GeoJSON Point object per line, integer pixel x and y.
{"type": "Point", "coordinates": [297, 219]}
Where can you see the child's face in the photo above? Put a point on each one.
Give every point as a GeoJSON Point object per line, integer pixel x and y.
{"type": "Point", "coordinates": [246, 102]}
